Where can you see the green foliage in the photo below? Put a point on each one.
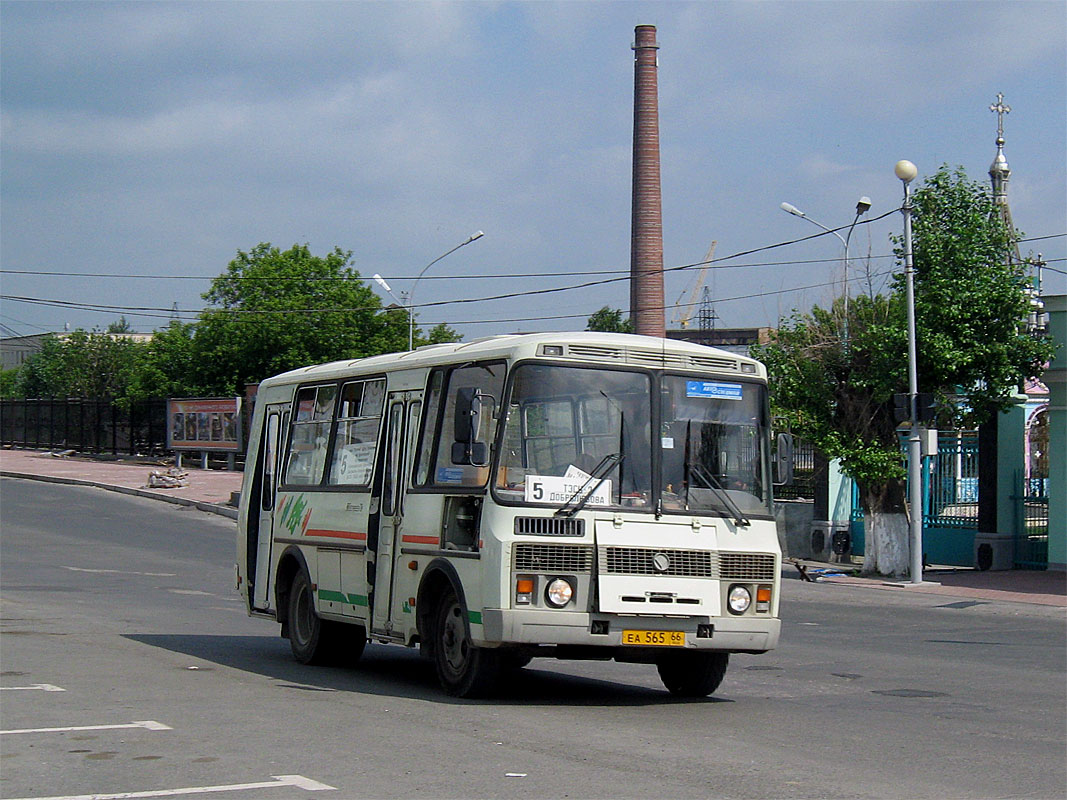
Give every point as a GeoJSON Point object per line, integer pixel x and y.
{"type": "Point", "coordinates": [121, 325]}
{"type": "Point", "coordinates": [970, 299]}
{"type": "Point", "coordinates": [837, 392]}
{"type": "Point", "coordinates": [609, 320]}
{"type": "Point", "coordinates": [81, 364]}
{"type": "Point", "coordinates": [169, 367]}
{"type": "Point", "coordinates": [277, 310]}
{"type": "Point", "coordinates": [439, 334]}
{"type": "Point", "coordinates": [9, 383]}
{"type": "Point", "coordinates": [833, 372]}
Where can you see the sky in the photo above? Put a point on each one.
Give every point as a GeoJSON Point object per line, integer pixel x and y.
{"type": "Point", "coordinates": [142, 145]}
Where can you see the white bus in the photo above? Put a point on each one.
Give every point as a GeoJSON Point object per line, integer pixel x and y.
{"type": "Point", "coordinates": [567, 495]}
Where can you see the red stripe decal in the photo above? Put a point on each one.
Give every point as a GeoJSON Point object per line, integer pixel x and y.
{"type": "Point", "coordinates": [335, 534]}
{"type": "Point", "coordinates": [420, 539]}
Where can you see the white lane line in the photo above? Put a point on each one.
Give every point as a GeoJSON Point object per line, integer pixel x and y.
{"type": "Point", "coordinates": [123, 572]}
{"type": "Point", "coordinates": [294, 781]}
{"type": "Point", "coordinates": [147, 724]}
{"type": "Point", "coordinates": [42, 687]}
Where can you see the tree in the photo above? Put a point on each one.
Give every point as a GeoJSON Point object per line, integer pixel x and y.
{"type": "Point", "coordinates": [169, 367]}
{"type": "Point", "coordinates": [439, 334]}
{"type": "Point", "coordinates": [9, 383]}
{"type": "Point", "coordinates": [81, 364]}
{"type": "Point", "coordinates": [834, 372]}
{"type": "Point", "coordinates": [121, 325]}
{"type": "Point", "coordinates": [609, 320]}
{"type": "Point", "coordinates": [277, 310]}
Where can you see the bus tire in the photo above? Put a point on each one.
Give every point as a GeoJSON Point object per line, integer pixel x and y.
{"type": "Point", "coordinates": [692, 674]}
{"type": "Point", "coordinates": [312, 639]}
{"type": "Point", "coordinates": [463, 669]}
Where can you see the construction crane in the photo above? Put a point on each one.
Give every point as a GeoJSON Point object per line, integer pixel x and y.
{"type": "Point", "coordinates": [684, 312]}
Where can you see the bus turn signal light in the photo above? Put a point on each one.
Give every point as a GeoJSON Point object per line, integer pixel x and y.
{"type": "Point", "coordinates": [524, 588]}
{"type": "Point", "coordinates": [763, 598]}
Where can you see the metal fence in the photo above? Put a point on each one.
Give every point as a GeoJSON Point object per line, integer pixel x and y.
{"type": "Point", "coordinates": [88, 426]}
{"type": "Point", "coordinates": [951, 477]}
{"type": "Point", "coordinates": [1031, 538]}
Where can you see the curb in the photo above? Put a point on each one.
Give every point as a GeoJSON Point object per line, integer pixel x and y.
{"type": "Point", "coordinates": [211, 508]}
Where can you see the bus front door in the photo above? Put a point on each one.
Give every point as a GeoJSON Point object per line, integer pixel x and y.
{"type": "Point", "coordinates": [268, 466]}
{"type": "Point", "coordinates": [401, 415]}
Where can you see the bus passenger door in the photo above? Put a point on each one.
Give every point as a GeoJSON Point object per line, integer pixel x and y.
{"type": "Point", "coordinates": [391, 504]}
{"type": "Point", "coordinates": [272, 432]}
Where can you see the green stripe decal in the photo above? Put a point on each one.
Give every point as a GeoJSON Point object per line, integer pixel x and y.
{"type": "Point", "coordinates": [331, 596]}
{"type": "Point", "coordinates": [474, 617]}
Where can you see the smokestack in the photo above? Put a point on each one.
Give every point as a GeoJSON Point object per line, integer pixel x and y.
{"type": "Point", "coordinates": [646, 229]}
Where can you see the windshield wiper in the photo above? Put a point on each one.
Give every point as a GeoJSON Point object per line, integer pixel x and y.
{"type": "Point", "coordinates": [586, 490]}
{"type": "Point", "coordinates": [710, 482]}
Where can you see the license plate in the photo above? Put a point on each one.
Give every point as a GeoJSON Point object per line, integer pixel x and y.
{"type": "Point", "coordinates": [654, 638]}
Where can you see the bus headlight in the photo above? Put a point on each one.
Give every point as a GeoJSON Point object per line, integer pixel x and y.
{"type": "Point", "coordinates": [559, 593]}
{"type": "Point", "coordinates": [739, 599]}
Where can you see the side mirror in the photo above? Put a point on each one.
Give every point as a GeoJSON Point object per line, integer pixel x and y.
{"type": "Point", "coordinates": [783, 460]}
{"type": "Point", "coordinates": [467, 449]}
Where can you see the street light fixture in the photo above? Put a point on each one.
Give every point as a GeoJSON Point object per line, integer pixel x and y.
{"type": "Point", "coordinates": [906, 172]}
{"type": "Point", "coordinates": [411, 292]}
{"type": "Point", "coordinates": [862, 207]}
{"type": "Point", "coordinates": [409, 303]}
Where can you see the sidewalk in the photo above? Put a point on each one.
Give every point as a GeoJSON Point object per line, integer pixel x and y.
{"type": "Point", "coordinates": [1039, 587]}
{"type": "Point", "coordinates": [208, 490]}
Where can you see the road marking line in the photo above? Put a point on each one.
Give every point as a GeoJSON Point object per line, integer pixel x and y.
{"type": "Point", "coordinates": [123, 572]}
{"type": "Point", "coordinates": [147, 724]}
{"type": "Point", "coordinates": [294, 781]}
{"type": "Point", "coordinates": [43, 687]}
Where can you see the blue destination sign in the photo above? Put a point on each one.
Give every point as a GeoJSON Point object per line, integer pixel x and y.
{"type": "Point", "coordinates": [720, 391]}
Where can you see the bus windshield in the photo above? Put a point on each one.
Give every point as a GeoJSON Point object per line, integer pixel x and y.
{"type": "Point", "coordinates": [562, 423]}
{"type": "Point", "coordinates": [583, 437]}
{"type": "Point", "coordinates": [712, 447]}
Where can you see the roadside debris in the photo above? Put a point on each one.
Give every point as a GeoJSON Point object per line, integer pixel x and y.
{"type": "Point", "coordinates": [173, 478]}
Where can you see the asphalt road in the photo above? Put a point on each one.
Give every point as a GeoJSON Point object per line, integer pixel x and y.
{"type": "Point", "coordinates": [127, 606]}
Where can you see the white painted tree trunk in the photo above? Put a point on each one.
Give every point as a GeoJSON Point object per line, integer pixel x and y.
{"type": "Point", "coordinates": [886, 548]}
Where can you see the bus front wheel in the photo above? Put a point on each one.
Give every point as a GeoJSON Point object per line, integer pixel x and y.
{"type": "Point", "coordinates": [463, 669]}
{"type": "Point", "coordinates": [692, 674]}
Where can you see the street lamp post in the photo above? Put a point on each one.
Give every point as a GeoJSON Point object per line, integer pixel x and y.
{"type": "Point", "coordinates": [906, 172]}
{"type": "Point", "coordinates": [411, 292]}
{"type": "Point", "coordinates": [409, 303]}
{"type": "Point", "coordinates": [862, 207]}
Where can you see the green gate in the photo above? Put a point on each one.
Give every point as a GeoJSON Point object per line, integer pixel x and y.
{"type": "Point", "coordinates": [950, 502]}
{"type": "Point", "coordinates": [1031, 538]}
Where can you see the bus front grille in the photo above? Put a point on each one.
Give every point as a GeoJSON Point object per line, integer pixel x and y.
{"type": "Point", "coordinates": [746, 566]}
{"type": "Point", "coordinates": [687, 563]}
{"type": "Point", "coordinates": [644, 561]}
{"type": "Point", "coordinates": [549, 526]}
{"type": "Point", "coordinates": [572, 559]}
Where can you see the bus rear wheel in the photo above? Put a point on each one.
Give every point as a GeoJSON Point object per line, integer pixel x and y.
{"type": "Point", "coordinates": [314, 640]}
{"type": "Point", "coordinates": [463, 669]}
{"type": "Point", "coordinates": [692, 674]}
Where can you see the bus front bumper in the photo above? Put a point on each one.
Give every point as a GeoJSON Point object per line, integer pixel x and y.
{"type": "Point", "coordinates": [539, 627]}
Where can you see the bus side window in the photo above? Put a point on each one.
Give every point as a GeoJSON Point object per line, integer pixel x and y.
{"type": "Point", "coordinates": [270, 456]}
{"type": "Point", "coordinates": [309, 439]}
{"type": "Point", "coordinates": [435, 454]}
{"type": "Point", "coordinates": [356, 438]}
{"type": "Point", "coordinates": [428, 435]}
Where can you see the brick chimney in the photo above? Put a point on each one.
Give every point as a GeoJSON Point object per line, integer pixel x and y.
{"type": "Point", "coordinates": [646, 230]}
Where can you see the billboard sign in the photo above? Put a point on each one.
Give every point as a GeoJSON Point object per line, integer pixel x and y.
{"type": "Point", "coordinates": [204, 424]}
